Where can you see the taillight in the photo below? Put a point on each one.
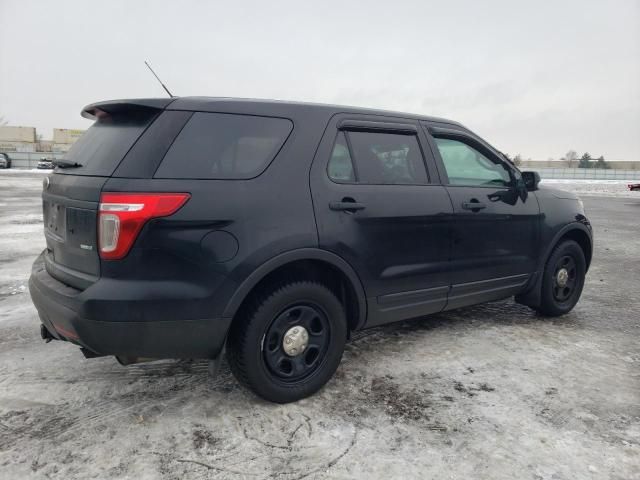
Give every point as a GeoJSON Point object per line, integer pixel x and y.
{"type": "Point", "coordinates": [121, 216]}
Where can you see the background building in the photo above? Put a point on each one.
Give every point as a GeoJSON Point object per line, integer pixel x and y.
{"type": "Point", "coordinates": [17, 139]}
{"type": "Point", "coordinates": [63, 138]}
{"type": "Point", "coordinates": [25, 146]}
{"type": "Point", "coordinates": [25, 139]}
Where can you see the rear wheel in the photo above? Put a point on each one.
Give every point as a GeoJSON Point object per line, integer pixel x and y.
{"type": "Point", "coordinates": [288, 343]}
{"type": "Point", "coordinates": [563, 279]}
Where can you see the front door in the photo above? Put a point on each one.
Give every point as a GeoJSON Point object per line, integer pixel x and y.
{"type": "Point", "coordinates": [379, 207]}
{"type": "Point", "coordinates": [495, 223]}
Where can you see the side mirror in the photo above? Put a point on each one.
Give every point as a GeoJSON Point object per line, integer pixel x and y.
{"type": "Point", "coordinates": [531, 180]}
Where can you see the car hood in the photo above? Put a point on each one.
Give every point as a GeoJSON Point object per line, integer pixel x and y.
{"type": "Point", "coordinates": [557, 193]}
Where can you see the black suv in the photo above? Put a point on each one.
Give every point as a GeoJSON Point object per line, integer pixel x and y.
{"type": "Point", "coordinates": [178, 227]}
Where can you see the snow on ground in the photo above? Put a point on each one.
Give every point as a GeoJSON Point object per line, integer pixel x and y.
{"type": "Point", "coordinates": [18, 171]}
{"type": "Point", "coordinates": [493, 392]}
{"type": "Point", "coordinates": [608, 188]}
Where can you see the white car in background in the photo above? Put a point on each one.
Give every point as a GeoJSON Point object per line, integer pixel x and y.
{"type": "Point", "coordinates": [45, 164]}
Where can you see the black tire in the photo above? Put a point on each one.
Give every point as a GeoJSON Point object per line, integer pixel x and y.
{"type": "Point", "coordinates": [556, 298]}
{"type": "Point", "coordinates": [255, 345]}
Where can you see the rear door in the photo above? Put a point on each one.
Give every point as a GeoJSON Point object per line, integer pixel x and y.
{"type": "Point", "coordinates": [379, 206]}
{"type": "Point", "coordinates": [495, 226]}
{"type": "Point", "coordinates": [71, 195]}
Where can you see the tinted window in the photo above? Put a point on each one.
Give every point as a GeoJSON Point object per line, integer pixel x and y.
{"type": "Point", "coordinates": [216, 145]}
{"type": "Point", "coordinates": [387, 158]}
{"type": "Point", "coordinates": [467, 166]}
{"type": "Point", "coordinates": [101, 148]}
{"type": "Point", "coordinates": [340, 165]}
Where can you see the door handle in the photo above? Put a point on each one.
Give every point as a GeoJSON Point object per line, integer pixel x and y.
{"type": "Point", "coordinates": [473, 205]}
{"type": "Point", "coordinates": [347, 204]}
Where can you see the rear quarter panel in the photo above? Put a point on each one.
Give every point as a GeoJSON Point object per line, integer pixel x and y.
{"type": "Point", "coordinates": [264, 216]}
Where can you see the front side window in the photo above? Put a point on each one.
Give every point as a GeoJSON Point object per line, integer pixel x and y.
{"type": "Point", "coordinates": [380, 159]}
{"type": "Point", "coordinates": [224, 146]}
{"type": "Point", "coordinates": [467, 166]}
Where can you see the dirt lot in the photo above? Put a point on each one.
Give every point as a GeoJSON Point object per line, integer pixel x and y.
{"type": "Point", "coordinates": [491, 392]}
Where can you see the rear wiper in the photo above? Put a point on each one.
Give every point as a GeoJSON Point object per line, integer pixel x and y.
{"type": "Point", "coordinates": [66, 164]}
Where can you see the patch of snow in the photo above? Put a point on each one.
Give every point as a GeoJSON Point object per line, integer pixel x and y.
{"type": "Point", "coordinates": [14, 171]}
{"type": "Point", "coordinates": [588, 181]}
{"type": "Point", "coordinates": [603, 188]}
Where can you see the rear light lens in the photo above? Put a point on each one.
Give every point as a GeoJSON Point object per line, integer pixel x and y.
{"type": "Point", "coordinates": [121, 216]}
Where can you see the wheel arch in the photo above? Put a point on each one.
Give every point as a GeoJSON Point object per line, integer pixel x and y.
{"type": "Point", "coordinates": [581, 238]}
{"type": "Point", "coordinates": [576, 231]}
{"type": "Point", "coordinates": [329, 267]}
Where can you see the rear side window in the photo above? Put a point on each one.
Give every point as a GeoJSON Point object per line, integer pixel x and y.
{"type": "Point", "coordinates": [101, 148]}
{"type": "Point", "coordinates": [380, 159]}
{"type": "Point", "coordinates": [340, 165]}
{"type": "Point", "coordinates": [224, 146]}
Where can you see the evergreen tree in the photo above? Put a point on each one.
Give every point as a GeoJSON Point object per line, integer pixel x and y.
{"type": "Point", "coordinates": [585, 161]}
{"type": "Point", "coordinates": [600, 163]}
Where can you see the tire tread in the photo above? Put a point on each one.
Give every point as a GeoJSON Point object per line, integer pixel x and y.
{"type": "Point", "coordinates": [547, 305]}
{"type": "Point", "coordinates": [237, 338]}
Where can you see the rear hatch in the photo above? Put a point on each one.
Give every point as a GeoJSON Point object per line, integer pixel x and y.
{"type": "Point", "coordinates": [71, 195]}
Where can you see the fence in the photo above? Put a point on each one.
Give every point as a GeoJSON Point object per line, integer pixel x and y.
{"type": "Point", "coordinates": [30, 159]}
{"type": "Point", "coordinates": [587, 174]}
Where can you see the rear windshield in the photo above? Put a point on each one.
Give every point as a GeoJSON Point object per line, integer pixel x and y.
{"type": "Point", "coordinates": [224, 146]}
{"type": "Point", "coordinates": [101, 148]}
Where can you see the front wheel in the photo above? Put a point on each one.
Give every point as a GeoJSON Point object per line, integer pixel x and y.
{"type": "Point", "coordinates": [563, 279]}
{"type": "Point", "coordinates": [287, 343]}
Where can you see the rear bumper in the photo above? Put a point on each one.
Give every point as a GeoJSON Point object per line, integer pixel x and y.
{"type": "Point", "coordinates": [63, 311]}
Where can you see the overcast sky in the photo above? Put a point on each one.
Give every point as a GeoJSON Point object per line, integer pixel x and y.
{"type": "Point", "coordinates": [536, 78]}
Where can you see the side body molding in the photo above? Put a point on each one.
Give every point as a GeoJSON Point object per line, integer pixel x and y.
{"type": "Point", "coordinates": [294, 255]}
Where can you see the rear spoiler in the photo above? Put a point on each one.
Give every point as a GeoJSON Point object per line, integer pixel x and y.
{"type": "Point", "coordinates": [111, 107]}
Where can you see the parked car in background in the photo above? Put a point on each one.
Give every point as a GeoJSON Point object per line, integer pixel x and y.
{"type": "Point", "coordinates": [45, 164]}
{"type": "Point", "coordinates": [176, 227]}
{"type": "Point", "coordinates": [5, 161]}
{"type": "Point", "coordinates": [634, 187]}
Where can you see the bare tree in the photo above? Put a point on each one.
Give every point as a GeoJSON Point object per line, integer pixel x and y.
{"type": "Point", "coordinates": [571, 158]}
{"type": "Point", "coordinates": [517, 160]}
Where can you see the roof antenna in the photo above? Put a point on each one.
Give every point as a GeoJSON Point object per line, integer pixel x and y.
{"type": "Point", "coordinates": [154, 74]}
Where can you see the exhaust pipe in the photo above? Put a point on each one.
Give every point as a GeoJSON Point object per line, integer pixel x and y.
{"type": "Point", "coordinates": [46, 334]}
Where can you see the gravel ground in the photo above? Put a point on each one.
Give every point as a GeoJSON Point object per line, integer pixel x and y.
{"type": "Point", "coordinates": [491, 392]}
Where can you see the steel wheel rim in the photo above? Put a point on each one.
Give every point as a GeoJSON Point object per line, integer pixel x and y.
{"type": "Point", "coordinates": [565, 278]}
{"type": "Point", "coordinates": [288, 367]}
